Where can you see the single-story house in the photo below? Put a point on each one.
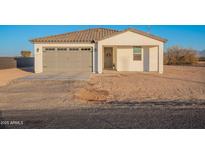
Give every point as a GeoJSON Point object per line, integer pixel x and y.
{"type": "Point", "coordinates": [98, 49]}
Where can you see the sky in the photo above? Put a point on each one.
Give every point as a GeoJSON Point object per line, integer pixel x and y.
{"type": "Point", "coordinates": [14, 39]}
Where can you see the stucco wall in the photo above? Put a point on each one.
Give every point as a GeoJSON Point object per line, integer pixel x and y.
{"type": "Point", "coordinates": [125, 60]}
{"type": "Point", "coordinates": [129, 39]}
{"type": "Point", "coordinates": [153, 58]}
{"type": "Point", "coordinates": [146, 58]}
{"type": "Point", "coordinates": [161, 58]}
{"type": "Point", "coordinates": [124, 39]}
{"type": "Point", "coordinates": [38, 63]}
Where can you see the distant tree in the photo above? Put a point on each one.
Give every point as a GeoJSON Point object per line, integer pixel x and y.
{"type": "Point", "coordinates": [178, 56]}
{"type": "Point", "coordinates": [201, 55]}
{"type": "Point", "coordinates": [26, 53]}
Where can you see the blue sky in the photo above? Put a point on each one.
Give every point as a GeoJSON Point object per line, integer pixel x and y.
{"type": "Point", "coordinates": [13, 39]}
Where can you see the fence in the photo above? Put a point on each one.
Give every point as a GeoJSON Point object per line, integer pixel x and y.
{"type": "Point", "coordinates": [16, 62]}
{"type": "Point", "coordinates": [25, 62]}
{"type": "Point", "coordinates": [7, 62]}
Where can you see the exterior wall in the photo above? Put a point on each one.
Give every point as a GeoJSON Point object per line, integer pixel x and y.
{"type": "Point", "coordinates": [100, 55]}
{"type": "Point", "coordinates": [146, 58]}
{"type": "Point", "coordinates": [95, 58]}
{"type": "Point", "coordinates": [38, 63]}
{"type": "Point", "coordinates": [118, 42]}
{"type": "Point", "coordinates": [153, 58]}
{"type": "Point", "coordinates": [115, 56]}
{"type": "Point", "coordinates": [161, 58]}
{"type": "Point", "coordinates": [38, 60]}
{"type": "Point", "coordinates": [129, 39]}
{"type": "Point", "coordinates": [125, 60]}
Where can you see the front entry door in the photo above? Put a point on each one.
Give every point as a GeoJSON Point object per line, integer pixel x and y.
{"type": "Point", "coordinates": [108, 53]}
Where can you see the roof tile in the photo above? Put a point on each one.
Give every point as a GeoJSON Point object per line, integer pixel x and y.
{"type": "Point", "coordinates": [89, 36]}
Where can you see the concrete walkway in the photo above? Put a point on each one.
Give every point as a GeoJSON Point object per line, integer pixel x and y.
{"type": "Point", "coordinates": [59, 76]}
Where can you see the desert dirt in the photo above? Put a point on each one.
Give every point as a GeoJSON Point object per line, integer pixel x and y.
{"type": "Point", "coordinates": [178, 83]}
{"type": "Point", "coordinates": [7, 75]}
{"type": "Point", "coordinates": [175, 99]}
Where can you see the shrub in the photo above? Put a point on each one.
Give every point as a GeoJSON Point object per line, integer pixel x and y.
{"type": "Point", "coordinates": [26, 53]}
{"type": "Point", "coordinates": [179, 56]}
{"type": "Point", "coordinates": [201, 58]}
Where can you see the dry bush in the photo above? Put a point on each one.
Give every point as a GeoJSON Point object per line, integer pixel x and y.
{"type": "Point", "coordinates": [92, 94]}
{"type": "Point", "coordinates": [201, 58]}
{"type": "Point", "coordinates": [179, 56]}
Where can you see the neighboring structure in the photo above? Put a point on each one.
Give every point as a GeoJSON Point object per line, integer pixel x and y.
{"type": "Point", "coordinates": [7, 62]}
{"type": "Point", "coordinates": [16, 62]}
{"type": "Point", "coordinates": [95, 50]}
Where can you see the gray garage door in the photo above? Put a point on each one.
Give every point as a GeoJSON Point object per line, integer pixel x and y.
{"type": "Point", "coordinates": [67, 59]}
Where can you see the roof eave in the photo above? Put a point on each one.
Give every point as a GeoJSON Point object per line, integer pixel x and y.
{"type": "Point", "coordinates": [41, 42]}
{"type": "Point", "coordinates": [139, 32]}
{"type": "Point", "coordinates": [147, 35]}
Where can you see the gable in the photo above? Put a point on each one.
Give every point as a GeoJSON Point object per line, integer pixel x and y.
{"type": "Point", "coordinates": [130, 38]}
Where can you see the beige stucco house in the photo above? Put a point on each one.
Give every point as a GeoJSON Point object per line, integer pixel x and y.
{"type": "Point", "coordinates": [95, 50]}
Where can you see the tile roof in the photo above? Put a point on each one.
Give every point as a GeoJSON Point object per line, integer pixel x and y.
{"type": "Point", "coordinates": [89, 36]}
{"type": "Point", "coordinates": [86, 36]}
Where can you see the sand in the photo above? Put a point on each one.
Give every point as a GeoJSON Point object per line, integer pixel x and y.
{"type": "Point", "coordinates": [7, 75]}
{"type": "Point", "coordinates": [178, 83]}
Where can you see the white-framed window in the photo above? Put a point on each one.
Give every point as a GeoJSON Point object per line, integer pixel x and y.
{"type": "Point", "coordinates": [85, 49]}
{"type": "Point", "coordinates": [137, 53]}
{"type": "Point", "coordinates": [49, 49]}
{"type": "Point", "coordinates": [62, 49]}
{"type": "Point", "coordinates": [73, 49]}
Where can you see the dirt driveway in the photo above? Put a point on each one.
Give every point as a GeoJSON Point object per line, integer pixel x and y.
{"type": "Point", "coordinates": [56, 76]}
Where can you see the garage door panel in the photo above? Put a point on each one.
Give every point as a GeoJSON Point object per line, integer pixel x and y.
{"type": "Point", "coordinates": [64, 61]}
{"type": "Point", "coordinates": [49, 61]}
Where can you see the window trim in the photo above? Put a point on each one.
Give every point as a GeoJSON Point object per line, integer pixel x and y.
{"type": "Point", "coordinates": [68, 48]}
{"type": "Point", "coordinates": [62, 49]}
{"type": "Point", "coordinates": [86, 49]}
{"type": "Point", "coordinates": [137, 54]}
{"type": "Point", "coordinates": [73, 49]}
{"type": "Point", "coordinates": [50, 49]}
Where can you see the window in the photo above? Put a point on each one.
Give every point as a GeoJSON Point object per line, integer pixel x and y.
{"type": "Point", "coordinates": [62, 49]}
{"type": "Point", "coordinates": [49, 49]}
{"type": "Point", "coordinates": [137, 53]}
{"type": "Point", "coordinates": [73, 49]}
{"type": "Point", "coordinates": [85, 49]}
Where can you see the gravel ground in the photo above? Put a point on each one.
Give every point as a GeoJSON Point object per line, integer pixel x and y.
{"type": "Point", "coordinates": [112, 118]}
